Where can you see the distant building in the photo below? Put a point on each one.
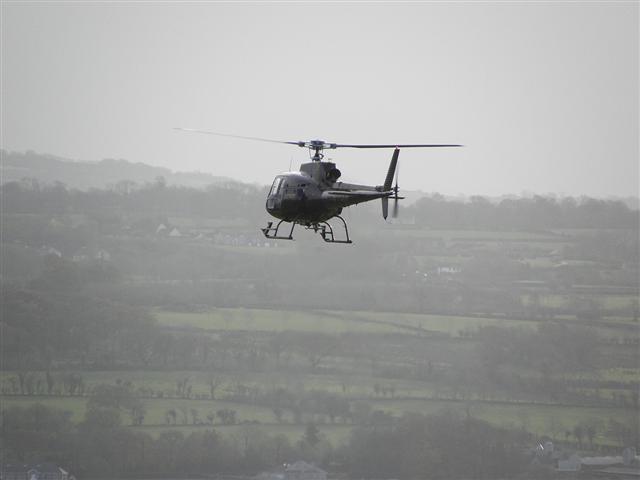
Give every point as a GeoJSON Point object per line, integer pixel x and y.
{"type": "Point", "coordinates": [81, 255]}
{"type": "Point", "coordinates": [301, 470]}
{"type": "Point", "coordinates": [571, 464]}
{"type": "Point", "coordinates": [47, 250]}
{"type": "Point", "coordinates": [278, 475]}
{"type": "Point", "coordinates": [448, 270]}
{"type": "Point", "coordinates": [85, 255]}
{"type": "Point", "coordinates": [40, 471]}
{"type": "Point", "coordinates": [623, 466]}
{"type": "Point", "coordinates": [102, 255]}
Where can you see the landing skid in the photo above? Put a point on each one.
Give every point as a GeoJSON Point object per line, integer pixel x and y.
{"type": "Point", "coordinates": [323, 228]}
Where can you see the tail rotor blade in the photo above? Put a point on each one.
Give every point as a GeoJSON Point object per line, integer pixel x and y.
{"type": "Point", "coordinates": [395, 196]}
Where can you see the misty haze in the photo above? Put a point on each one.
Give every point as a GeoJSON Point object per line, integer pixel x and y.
{"type": "Point", "coordinates": [172, 304]}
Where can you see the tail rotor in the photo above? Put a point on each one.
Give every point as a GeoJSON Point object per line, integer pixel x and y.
{"type": "Point", "coordinates": [395, 194]}
{"type": "Point", "coordinates": [393, 171]}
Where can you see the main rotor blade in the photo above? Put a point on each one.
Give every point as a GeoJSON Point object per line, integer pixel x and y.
{"type": "Point", "coordinates": [318, 144]}
{"type": "Point", "coordinates": [396, 145]}
{"type": "Point", "coordinates": [192, 130]}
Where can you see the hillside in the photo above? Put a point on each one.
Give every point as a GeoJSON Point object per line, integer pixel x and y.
{"type": "Point", "coordinates": [158, 315]}
{"type": "Point", "coordinates": [83, 175]}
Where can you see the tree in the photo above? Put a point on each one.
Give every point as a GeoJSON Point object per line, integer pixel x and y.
{"type": "Point", "coordinates": [171, 416]}
{"type": "Point", "coordinates": [194, 416]}
{"type": "Point", "coordinates": [277, 412]}
{"type": "Point", "coordinates": [50, 382]}
{"type": "Point", "coordinates": [213, 383]}
{"type": "Point", "coordinates": [182, 387]}
{"type": "Point", "coordinates": [227, 416]}
{"type": "Point", "coordinates": [137, 413]}
{"type": "Point", "coordinates": [101, 417]}
{"type": "Point", "coordinates": [311, 435]}
{"type": "Point", "coordinates": [625, 432]}
{"type": "Point", "coordinates": [184, 412]}
{"type": "Point", "coordinates": [578, 432]}
{"type": "Point", "coordinates": [590, 431]}
{"type": "Point", "coordinates": [316, 346]}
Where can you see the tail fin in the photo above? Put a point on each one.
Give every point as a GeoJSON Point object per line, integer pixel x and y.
{"type": "Point", "coordinates": [388, 181]}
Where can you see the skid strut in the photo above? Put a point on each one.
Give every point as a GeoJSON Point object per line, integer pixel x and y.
{"type": "Point", "coordinates": [272, 232]}
{"type": "Point", "coordinates": [326, 231]}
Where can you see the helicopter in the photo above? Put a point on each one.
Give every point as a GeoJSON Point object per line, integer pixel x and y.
{"type": "Point", "coordinates": [313, 195]}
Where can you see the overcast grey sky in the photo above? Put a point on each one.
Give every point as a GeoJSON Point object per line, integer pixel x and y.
{"type": "Point", "coordinates": [543, 95]}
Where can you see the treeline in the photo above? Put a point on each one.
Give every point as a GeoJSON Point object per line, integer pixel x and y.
{"type": "Point", "coordinates": [535, 213]}
{"type": "Point", "coordinates": [443, 445]}
{"type": "Point", "coordinates": [235, 200]}
{"type": "Point", "coordinates": [232, 200]}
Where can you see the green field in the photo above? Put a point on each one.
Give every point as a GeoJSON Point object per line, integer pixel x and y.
{"type": "Point", "coordinates": [247, 319]}
{"type": "Point", "coordinates": [338, 322]}
{"type": "Point", "coordinates": [538, 419]}
{"type": "Point", "coordinates": [479, 235]}
{"type": "Point", "coordinates": [352, 377]}
{"type": "Point", "coordinates": [242, 319]}
{"type": "Point", "coordinates": [604, 301]}
{"type": "Point", "coordinates": [335, 434]}
{"type": "Point", "coordinates": [354, 385]}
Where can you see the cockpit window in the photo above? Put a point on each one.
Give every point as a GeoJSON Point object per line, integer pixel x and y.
{"type": "Point", "coordinates": [275, 188]}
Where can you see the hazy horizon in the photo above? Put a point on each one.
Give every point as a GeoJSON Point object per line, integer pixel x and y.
{"type": "Point", "coordinates": [632, 201]}
{"type": "Point", "coordinates": [543, 96]}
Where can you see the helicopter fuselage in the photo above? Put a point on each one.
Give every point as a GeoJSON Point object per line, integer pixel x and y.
{"type": "Point", "coordinates": [314, 195]}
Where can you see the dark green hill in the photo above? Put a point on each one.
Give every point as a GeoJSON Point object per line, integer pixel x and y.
{"type": "Point", "coordinates": [83, 175]}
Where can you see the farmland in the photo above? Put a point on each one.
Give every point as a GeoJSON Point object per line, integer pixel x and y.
{"type": "Point", "coordinates": [351, 377]}
{"type": "Point", "coordinates": [532, 331]}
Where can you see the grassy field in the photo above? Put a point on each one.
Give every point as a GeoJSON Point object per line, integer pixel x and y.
{"type": "Point", "coordinates": [480, 235]}
{"type": "Point", "coordinates": [156, 409]}
{"type": "Point", "coordinates": [612, 374]}
{"type": "Point", "coordinates": [246, 319]}
{"type": "Point", "coordinates": [338, 322]}
{"type": "Point", "coordinates": [230, 319]}
{"type": "Point", "coordinates": [356, 383]}
{"type": "Point", "coordinates": [538, 419]}
{"type": "Point", "coordinates": [604, 301]}
{"type": "Point", "coordinates": [354, 386]}
{"type": "Point", "coordinates": [336, 434]}
{"type": "Point", "coordinates": [75, 406]}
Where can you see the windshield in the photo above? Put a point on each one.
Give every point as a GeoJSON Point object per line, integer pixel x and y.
{"type": "Point", "coordinates": [275, 188]}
